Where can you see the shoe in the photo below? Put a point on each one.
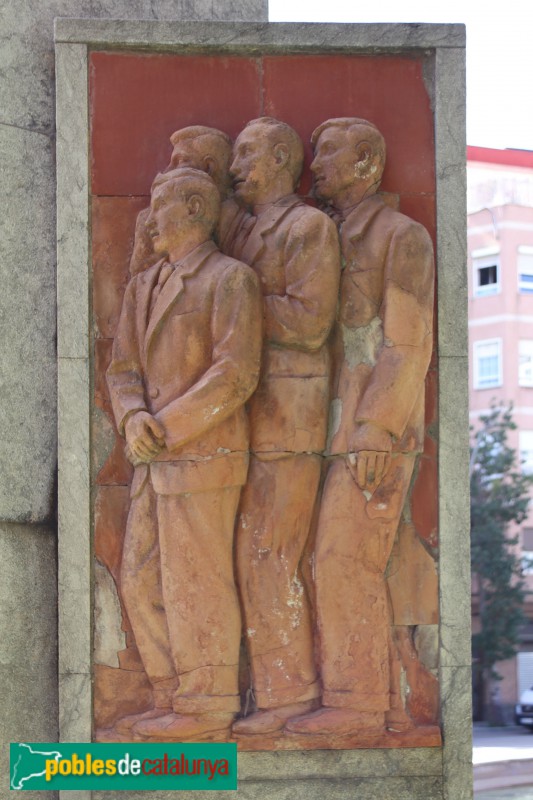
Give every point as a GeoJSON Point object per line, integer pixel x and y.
{"type": "Point", "coordinates": [398, 720]}
{"type": "Point", "coordinates": [337, 721]}
{"type": "Point", "coordinates": [125, 725]}
{"type": "Point", "coordinates": [270, 720]}
{"type": "Point", "coordinates": [183, 726]}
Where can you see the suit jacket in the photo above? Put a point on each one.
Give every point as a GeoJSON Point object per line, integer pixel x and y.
{"type": "Point", "coordinates": [385, 324]}
{"type": "Point", "coordinates": [192, 363]}
{"type": "Point", "coordinates": [294, 251]}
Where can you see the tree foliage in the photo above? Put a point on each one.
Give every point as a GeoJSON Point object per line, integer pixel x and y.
{"type": "Point", "coordinates": [499, 497]}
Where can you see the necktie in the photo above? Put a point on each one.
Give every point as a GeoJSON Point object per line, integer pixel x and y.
{"type": "Point", "coordinates": [164, 274]}
{"type": "Point", "coordinates": [242, 235]}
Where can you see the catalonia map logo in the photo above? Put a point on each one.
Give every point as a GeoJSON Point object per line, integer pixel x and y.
{"type": "Point", "coordinates": [40, 765]}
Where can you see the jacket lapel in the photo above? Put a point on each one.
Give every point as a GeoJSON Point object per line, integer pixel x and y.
{"type": "Point", "coordinates": [146, 282]}
{"type": "Point", "coordinates": [359, 219]}
{"type": "Point", "coordinates": [174, 286]}
{"type": "Point", "coordinates": [268, 220]}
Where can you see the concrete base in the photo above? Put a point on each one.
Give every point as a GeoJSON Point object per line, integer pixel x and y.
{"type": "Point", "coordinates": [28, 641]}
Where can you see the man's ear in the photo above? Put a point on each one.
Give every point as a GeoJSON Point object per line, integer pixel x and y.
{"type": "Point", "coordinates": [281, 154]}
{"type": "Point", "coordinates": [364, 160]}
{"type": "Point", "coordinates": [210, 165]}
{"type": "Point", "coordinates": [196, 206]}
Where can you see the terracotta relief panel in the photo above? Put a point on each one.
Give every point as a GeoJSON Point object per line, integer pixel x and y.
{"type": "Point", "coordinates": [264, 422]}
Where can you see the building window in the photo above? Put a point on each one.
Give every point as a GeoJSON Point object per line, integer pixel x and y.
{"type": "Point", "coordinates": [525, 445]}
{"type": "Point", "coordinates": [525, 362]}
{"type": "Point", "coordinates": [487, 364]}
{"type": "Point", "coordinates": [527, 551]}
{"type": "Point", "coordinates": [525, 269]}
{"type": "Point", "coordinates": [486, 271]}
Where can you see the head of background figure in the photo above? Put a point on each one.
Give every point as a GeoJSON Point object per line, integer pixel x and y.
{"type": "Point", "coordinates": [183, 200]}
{"type": "Point", "coordinates": [207, 149]}
{"type": "Point", "coordinates": [349, 152]}
{"type": "Point", "coordinates": [266, 154]}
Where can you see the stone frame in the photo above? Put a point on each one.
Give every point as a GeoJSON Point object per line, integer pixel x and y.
{"type": "Point", "coordinates": [436, 773]}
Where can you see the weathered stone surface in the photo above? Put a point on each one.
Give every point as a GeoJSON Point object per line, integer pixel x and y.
{"type": "Point", "coordinates": [27, 321]}
{"type": "Point", "coordinates": [75, 707]}
{"type": "Point", "coordinates": [424, 735]}
{"type": "Point", "coordinates": [290, 37]}
{"type": "Point", "coordinates": [27, 60]}
{"type": "Point", "coordinates": [74, 517]}
{"type": "Point", "coordinates": [454, 514]}
{"type": "Point", "coordinates": [28, 711]}
{"type": "Point", "coordinates": [412, 580]}
{"type": "Point", "coordinates": [79, 794]}
{"type": "Point", "coordinates": [119, 692]}
{"type": "Point", "coordinates": [415, 684]}
{"type": "Point", "coordinates": [25, 640]}
{"type": "Point", "coordinates": [28, 640]}
{"type": "Point", "coordinates": [457, 728]}
{"type": "Point", "coordinates": [72, 203]}
{"type": "Point", "coordinates": [110, 515]}
{"type": "Point", "coordinates": [426, 640]}
{"type": "Point", "coordinates": [450, 158]}
{"type": "Point", "coordinates": [341, 763]}
{"type": "Point", "coordinates": [414, 788]}
{"type": "Point", "coordinates": [108, 635]}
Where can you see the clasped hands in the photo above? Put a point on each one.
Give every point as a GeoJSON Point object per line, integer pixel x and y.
{"type": "Point", "coordinates": [369, 455]}
{"type": "Point", "coordinates": [145, 438]}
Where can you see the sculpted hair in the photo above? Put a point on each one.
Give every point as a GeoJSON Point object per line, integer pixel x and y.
{"type": "Point", "coordinates": [186, 182]}
{"type": "Point", "coordinates": [277, 132]}
{"type": "Point", "coordinates": [209, 142]}
{"type": "Point", "coordinates": [360, 130]}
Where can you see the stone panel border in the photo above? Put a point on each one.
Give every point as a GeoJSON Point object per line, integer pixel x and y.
{"type": "Point", "coordinates": [432, 774]}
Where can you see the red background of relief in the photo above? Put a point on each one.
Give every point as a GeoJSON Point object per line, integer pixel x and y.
{"type": "Point", "coordinates": [136, 102]}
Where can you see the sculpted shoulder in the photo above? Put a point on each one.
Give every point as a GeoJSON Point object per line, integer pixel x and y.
{"type": "Point", "coordinates": [410, 260]}
{"type": "Point", "coordinates": [309, 215]}
{"type": "Point", "coordinates": [233, 273]}
{"type": "Point", "coordinates": [404, 228]}
{"type": "Point", "coordinates": [311, 224]}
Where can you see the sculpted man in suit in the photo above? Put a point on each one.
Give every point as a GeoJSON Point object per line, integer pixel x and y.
{"type": "Point", "coordinates": [199, 147]}
{"type": "Point", "coordinates": [185, 359]}
{"type": "Point", "coordinates": [385, 323]}
{"type": "Point", "coordinates": [294, 251]}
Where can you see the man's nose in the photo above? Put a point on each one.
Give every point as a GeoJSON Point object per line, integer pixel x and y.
{"type": "Point", "coordinates": [314, 165]}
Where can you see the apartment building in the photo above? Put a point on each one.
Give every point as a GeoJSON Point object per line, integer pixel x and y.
{"type": "Point", "coordinates": [500, 292]}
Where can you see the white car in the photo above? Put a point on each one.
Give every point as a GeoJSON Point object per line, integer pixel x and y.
{"type": "Point", "coordinates": [524, 709]}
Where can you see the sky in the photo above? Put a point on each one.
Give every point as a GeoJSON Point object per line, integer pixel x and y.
{"type": "Point", "coordinates": [499, 55]}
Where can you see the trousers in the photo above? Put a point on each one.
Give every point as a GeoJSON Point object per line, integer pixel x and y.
{"type": "Point", "coordinates": [273, 525]}
{"type": "Point", "coordinates": [178, 586]}
{"type": "Point", "coordinates": [355, 535]}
